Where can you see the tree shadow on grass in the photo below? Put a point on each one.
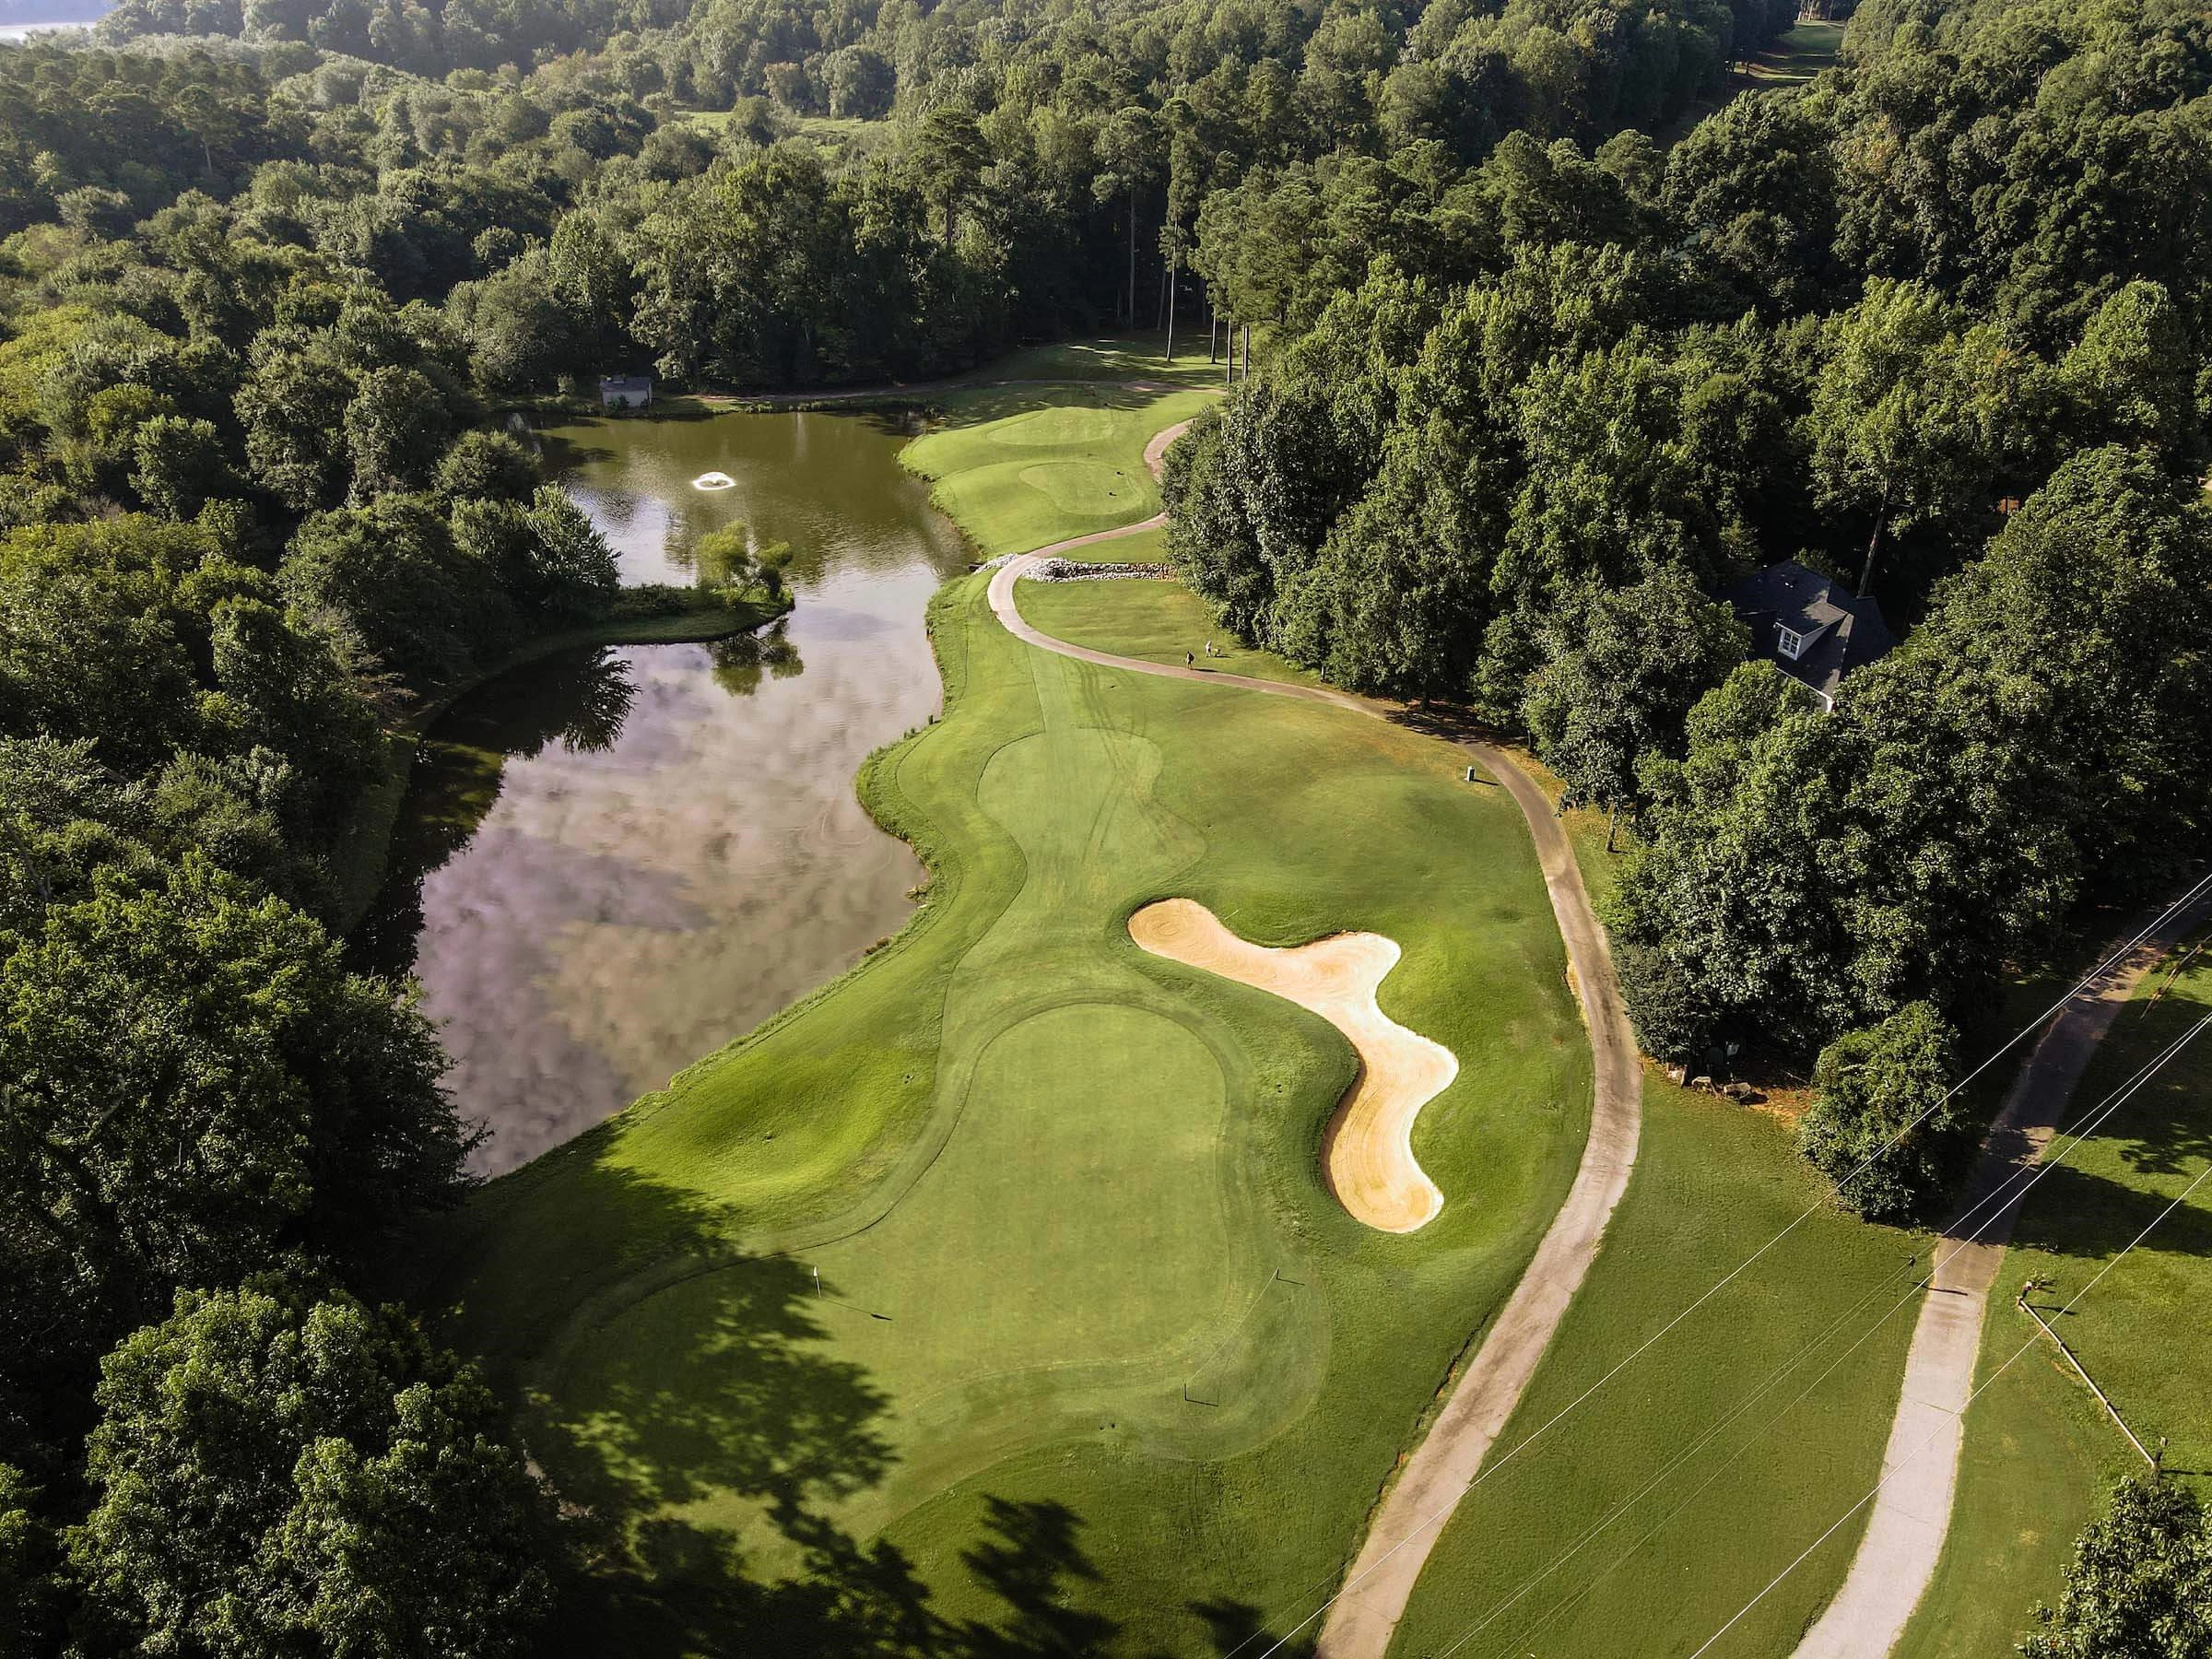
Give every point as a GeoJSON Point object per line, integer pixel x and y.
{"type": "Point", "coordinates": [1028, 1561]}
{"type": "Point", "coordinates": [718, 1382]}
{"type": "Point", "coordinates": [2167, 1126]}
{"type": "Point", "coordinates": [688, 1592]}
{"type": "Point", "coordinates": [2093, 1218]}
{"type": "Point", "coordinates": [1239, 1630]}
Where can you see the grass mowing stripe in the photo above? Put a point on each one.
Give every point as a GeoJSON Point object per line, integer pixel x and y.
{"type": "Point", "coordinates": [1060, 1168]}
{"type": "Point", "coordinates": [1966, 1225]}
{"type": "Point", "coordinates": [1710, 1176]}
{"type": "Point", "coordinates": [2176, 1202]}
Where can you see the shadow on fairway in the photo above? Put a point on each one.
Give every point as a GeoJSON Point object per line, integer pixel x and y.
{"type": "Point", "coordinates": [730, 1390]}
{"type": "Point", "coordinates": [690, 1594]}
{"type": "Point", "coordinates": [1239, 1629]}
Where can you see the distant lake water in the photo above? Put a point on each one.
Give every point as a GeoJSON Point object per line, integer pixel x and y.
{"type": "Point", "coordinates": [614, 861]}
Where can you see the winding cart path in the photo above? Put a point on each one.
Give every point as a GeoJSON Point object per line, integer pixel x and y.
{"type": "Point", "coordinates": [1361, 1617]}
{"type": "Point", "coordinates": [1898, 1553]}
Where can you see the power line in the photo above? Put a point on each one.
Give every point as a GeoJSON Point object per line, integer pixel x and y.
{"type": "Point", "coordinates": [1876, 1490]}
{"type": "Point", "coordinates": [1684, 1456]}
{"type": "Point", "coordinates": [2000, 1197]}
{"type": "Point", "coordinates": [2185, 901]}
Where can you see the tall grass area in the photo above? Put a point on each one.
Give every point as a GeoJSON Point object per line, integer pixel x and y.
{"type": "Point", "coordinates": [1091, 1340]}
{"type": "Point", "coordinates": [2039, 1449]}
{"type": "Point", "coordinates": [1623, 1529]}
{"type": "Point", "coordinates": [1018, 466]}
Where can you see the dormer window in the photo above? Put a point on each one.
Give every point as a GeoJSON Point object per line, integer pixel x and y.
{"type": "Point", "coordinates": [1791, 644]}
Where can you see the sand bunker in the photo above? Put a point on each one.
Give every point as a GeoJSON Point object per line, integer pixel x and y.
{"type": "Point", "coordinates": [714, 480]}
{"type": "Point", "coordinates": [1367, 1154]}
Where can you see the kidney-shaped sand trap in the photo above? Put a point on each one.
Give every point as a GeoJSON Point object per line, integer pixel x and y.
{"type": "Point", "coordinates": [1367, 1154]}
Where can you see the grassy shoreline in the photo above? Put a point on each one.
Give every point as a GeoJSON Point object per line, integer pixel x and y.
{"type": "Point", "coordinates": [647, 1290]}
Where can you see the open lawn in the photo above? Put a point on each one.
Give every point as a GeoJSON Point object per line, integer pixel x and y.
{"type": "Point", "coordinates": [2039, 1449]}
{"type": "Point", "coordinates": [1091, 1339]}
{"type": "Point", "coordinates": [1704, 1525]}
{"type": "Point", "coordinates": [1140, 546]}
{"type": "Point", "coordinates": [1139, 357]}
{"type": "Point", "coordinates": [1795, 57]}
{"type": "Point", "coordinates": [1018, 466]}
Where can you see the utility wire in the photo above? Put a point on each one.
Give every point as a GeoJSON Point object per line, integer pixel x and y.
{"type": "Point", "coordinates": [1876, 1490]}
{"type": "Point", "coordinates": [2000, 1197]}
{"type": "Point", "coordinates": [2188, 899]}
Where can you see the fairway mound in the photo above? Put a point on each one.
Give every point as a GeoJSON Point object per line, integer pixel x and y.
{"type": "Point", "coordinates": [1367, 1154]}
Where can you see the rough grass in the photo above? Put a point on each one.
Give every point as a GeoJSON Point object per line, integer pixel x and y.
{"type": "Point", "coordinates": [1714, 1181]}
{"type": "Point", "coordinates": [1065, 1199]}
{"type": "Point", "coordinates": [2039, 1449]}
{"type": "Point", "coordinates": [1018, 466]}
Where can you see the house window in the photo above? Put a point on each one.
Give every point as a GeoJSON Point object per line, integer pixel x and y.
{"type": "Point", "coordinates": [1791, 643]}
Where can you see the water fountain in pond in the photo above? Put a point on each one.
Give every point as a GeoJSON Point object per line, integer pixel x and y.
{"type": "Point", "coordinates": [617, 860]}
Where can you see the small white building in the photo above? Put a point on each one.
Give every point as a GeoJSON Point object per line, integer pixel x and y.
{"type": "Point", "coordinates": [625, 391]}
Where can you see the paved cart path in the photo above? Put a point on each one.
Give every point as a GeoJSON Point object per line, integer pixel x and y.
{"type": "Point", "coordinates": [1359, 1622]}
{"type": "Point", "coordinates": [1904, 1535]}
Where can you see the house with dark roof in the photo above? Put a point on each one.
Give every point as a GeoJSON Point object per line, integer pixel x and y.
{"type": "Point", "coordinates": [625, 391]}
{"type": "Point", "coordinates": [1811, 627]}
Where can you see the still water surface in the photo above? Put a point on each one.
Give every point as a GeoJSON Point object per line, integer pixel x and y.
{"type": "Point", "coordinates": [614, 861]}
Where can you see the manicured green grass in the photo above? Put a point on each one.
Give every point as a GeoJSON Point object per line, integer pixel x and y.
{"type": "Point", "coordinates": [1141, 546]}
{"type": "Point", "coordinates": [1793, 58]}
{"type": "Point", "coordinates": [1714, 1181]}
{"type": "Point", "coordinates": [1079, 1185]}
{"type": "Point", "coordinates": [1018, 466]}
{"type": "Point", "coordinates": [2039, 1451]}
{"type": "Point", "coordinates": [1796, 56]}
{"type": "Point", "coordinates": [1139, 357]}
{"type": "Point", "coordinates": [1157, 621]}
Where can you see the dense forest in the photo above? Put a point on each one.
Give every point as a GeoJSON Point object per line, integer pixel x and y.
{"type": "Point", "coordinates": [1537, 385]}
{"type": "Point", "coordinates": [1938, 323]}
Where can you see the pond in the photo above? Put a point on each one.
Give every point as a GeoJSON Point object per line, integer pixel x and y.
{"type": "Point", "coordinates": [613, 861]}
